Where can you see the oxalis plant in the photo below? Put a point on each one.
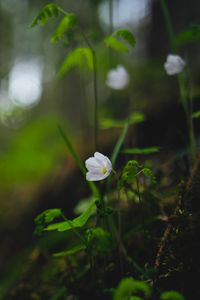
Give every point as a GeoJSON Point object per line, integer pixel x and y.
{"type": "Point", "coordinates": [98, 230]}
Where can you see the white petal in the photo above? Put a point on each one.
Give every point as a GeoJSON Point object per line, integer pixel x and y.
{"type": "Point", "coordinates": [95, 177]}
{"type": "Point", "coordinates": [105, 161]}
{"type": "Point", "coordinates": [92, 163]}
{"type": "Point", "coordinates": [99, 156]}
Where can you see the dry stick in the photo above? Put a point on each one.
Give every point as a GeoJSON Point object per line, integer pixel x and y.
{"type": "Point", "coordinates": [167, 233]}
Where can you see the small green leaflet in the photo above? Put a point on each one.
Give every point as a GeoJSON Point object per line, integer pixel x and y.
{"type": "Point", "coordinates": [114, 43]}
{"type": "Point", "coordinates": [50, 10]}
{"type": "Point", "coordinates": [129, 287]}
{"type": "Point", "coordinates": [46, 217]}
{"type": "Point", "coordinates": [80, 221]}
{"type": "Point", "coordinates": [134, 118]}
{"type": "Point", "coordinates": [119, 40]}
{"type": "Point", "coordinates": [190, 35]}
{"type": "Point", "coordinates": [126, 35]}
{"type": "Point", "coordinates": [196, 114]}
{"type": "Point", "coordinates": [79, 57]}
{"type": "Point", "coordinates": [71, 251]}
{"type": "Point", "coordinates": [141, 151]}
{"type": "Point", "coordinates": [171, 295]}
{"type": "Point", "coordinates": [67, 22]}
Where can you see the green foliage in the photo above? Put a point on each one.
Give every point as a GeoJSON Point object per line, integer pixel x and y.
{"type": "Point", "coordinates": [171, 295]}
{"type": "Point", "coordinates": [50, 10]}
{"type": "Point", "coordinates": [148, 173]}
{"type": "Point", "coordinates": [134, 118]}
{"type": "Point", "coordinates": [68, 22]}
{"type": "Point", "coordinates": [50, 214]}
{"type": "Point", "coordinates": [133, 169]}
{"type": "Point", "coordinates": [32, 153]}
{"type": "Point", "coordinates": [126, 35]}
{"type": "Point", "coordinates": [71, 251]}
{"type": "Point", "coordinates": [79, 57]}
{"type": "Point", "coordinates": [78, 222]}
{"type": "Point", "coordinates": [141, 151]}
{"type": "Point", "coordinates": [119, 40]}
{"type": "Point", "coordinates": [114, 43]}
{"type": "Point", "coordinates": [188, 36]}
{"type": "Point", "coordinates": [129, 288]}
{"type": "Point", "coordinates": [196, 114]}
{"type": "Point", "coordinates": [98, 240]}
{"type": "Point", "coordinates": [46, 217]}
{"type": "Point", "coordinates": [129, 172]}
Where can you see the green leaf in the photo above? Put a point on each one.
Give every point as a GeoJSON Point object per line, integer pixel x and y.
{"type": "Point", "coordinates": [141, 151]}
{"type": "Point", "coordinates": [79, 57]}
{"type": "Point", "coordinates": [46, 217]}
{"type": "Point", "coordinates": [148, 173]}
{"type": "Point", "coordinates": [196, 114]}
{"type": "Point", "coordinates": [70, 251]}
{"type": "Point", "coordinates": [78, 161]}
{"type": "Point", "coordinates": [129, 287]}
{"type": "Point", "coordinates": [50, 10]}
{"type": "Point", "coordinates": [126, 35]}
{"type": "Point", "coordinates": [188, 36]}
{"type": "Point", "coordinates": [51, 214]}
{"type": "Point", "coordinates": [136, 117]}
{"type": "Point", "coordinates": [129, 172]}
{"type": "Point", "coordinates": [171, 295]}
{"type": "Point", "coordinates": [119, 40]}
{"type": "Point", "coordinates": [112, 42]}
{"type": "Point", "coordinates": [68, 22]}
{"type": "Point", "coordinates": [107, 123]}
{"type": "Point", "coordinates": [80, 221]}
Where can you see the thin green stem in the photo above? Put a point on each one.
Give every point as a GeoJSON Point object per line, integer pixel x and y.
{"type": "Point", "coordinates": [120, 233]}
{"type": "Point", "coordinates": [168, 24]}
{"type": "Point", "coordinates": [95, 88]}
{"type": "Point", "coordinates": [95, 101]}
{"type": "Point", "coordinates": [111, 15]}
{"type": "Point", "coordinates": [138, 188]}
{"type": "Point", "coordinates": [111, 28]}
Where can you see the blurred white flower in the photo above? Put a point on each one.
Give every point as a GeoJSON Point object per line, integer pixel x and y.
{"type": "Point", "coordinates": [174, 64]}
{"type": "Point", "coordinates": [99, 167]}
{"type": "Point", "coordinates": [117, 78]}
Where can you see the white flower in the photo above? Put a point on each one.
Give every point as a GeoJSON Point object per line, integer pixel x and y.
{"type": "Point", "coordinates": [99, 167]}
{"type": "Point", "coordinates": [174, 64]}
{"type": "Point", "coordinates": [117, 78]}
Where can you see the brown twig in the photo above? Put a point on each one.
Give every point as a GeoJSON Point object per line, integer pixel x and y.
{"type": "Point", "coordinates": [167, 232]}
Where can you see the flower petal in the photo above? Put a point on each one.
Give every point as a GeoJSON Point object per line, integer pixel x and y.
{"type": "Point", "coordinates": [95, 177]}
{"type": "Point", "coordinates": [92, 163]}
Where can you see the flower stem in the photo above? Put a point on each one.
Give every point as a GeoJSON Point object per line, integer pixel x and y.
{"type": "Point", "coordinates": [94, 60]}
{"type": "Point", "coordinates": [75, 230]}
{"type": "Point", "coordinates": [168, 24]}
{"type": "Point", "coordinates": [182, 85]}
{"type": "Point", "coordinates": [138, 188]}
